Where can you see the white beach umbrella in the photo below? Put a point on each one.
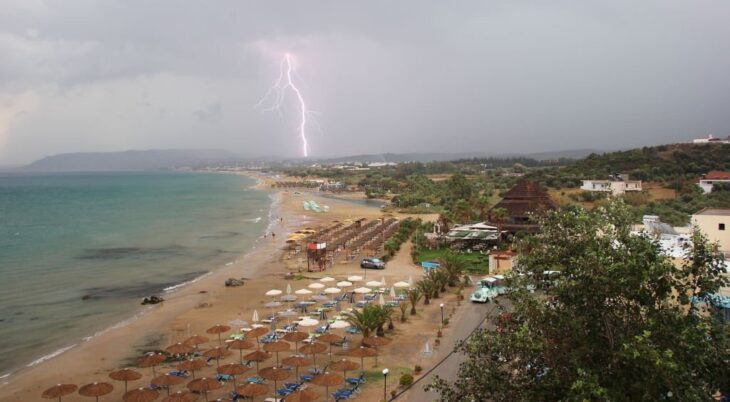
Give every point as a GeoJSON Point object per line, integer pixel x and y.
{"type": "Point", "coordinates": [392, 293]}
{"type": "Point", "coordinates": [344, 284]}
{"type": "Point", "coordinates": [319, 297]}
{"type": "Point", "coordinates": [288, 288]}
{"type": "Point", "coordinates": [255, 317]}
{"type": "Point", "coordinates": [382, 280]}
{"type": "Point", "coordinates": [303, 292]}
{"type": "Point", "coordinates": [374, 284]}
{"type": "Point", "coordinates": [339, 324]}
{"type": "Point", "coordinates": [327, 279]}
{"type": "Point", "coordinates": [316, 285]}
{"type": "Point", "coordinates": [273, 292]}
{"type": "Point", "coordinates": [354, 278]}
{"type": "Point", "coordinates": [273, 304]}
{"type": "Point", "coordinates": [410, 280]}
{"type": "Point", "coordinates": [308, 322]}
{"type": "Point", "coordinates": [238, 323]}
{"type": "Point", "coordinates": [381, 300]}
{"type": "Point", "coordinates": [401, 285]}
{"type": "Point", "coordinates": [332, 291]}
{"type": "Point", "coordinates": [362, 290]}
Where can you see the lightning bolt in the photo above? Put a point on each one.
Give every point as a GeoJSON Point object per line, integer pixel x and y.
{"type": "Point", "coordinates": [276, 96]}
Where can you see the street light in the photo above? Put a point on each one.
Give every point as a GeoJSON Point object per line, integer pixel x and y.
{"type": "Point", "coordinates": [442, 315]}
{"type": "Point", "coordinates": [385, 384]}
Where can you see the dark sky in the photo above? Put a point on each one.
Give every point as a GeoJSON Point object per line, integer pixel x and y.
{"type": "Point", "coordinates": [379, 76]}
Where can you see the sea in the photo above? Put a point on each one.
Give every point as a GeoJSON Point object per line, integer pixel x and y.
{"type": "Point", "coordinates": [79, 251]}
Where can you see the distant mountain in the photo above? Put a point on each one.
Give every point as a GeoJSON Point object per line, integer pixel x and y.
{"type": "Point", "coordinates": [442, 156]}
{"type": "Point", "coordinates": [131, 160]}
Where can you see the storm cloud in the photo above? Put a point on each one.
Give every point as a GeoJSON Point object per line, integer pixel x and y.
{"type": "Point", "coordinates": [382, 76]}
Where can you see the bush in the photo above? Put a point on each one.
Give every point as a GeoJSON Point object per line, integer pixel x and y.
{"type": "Point", "coordinates": [406, 380]}
{"type": "Point", "coordinates": [417, 369]}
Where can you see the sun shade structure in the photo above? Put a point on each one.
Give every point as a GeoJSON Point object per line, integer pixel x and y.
{"type": "Point", "coordinates": [303, 292]}
{"type": "Point", "coordinates": [402, 285]}
{"type": "Point", "coordinates": [354, 278]}
{"type": "Point", "coordinates": [256, 333]}
{"type": "Point", "coordinates": [216, 353]}
{"type": "Point", "coordinates": [126, 375]}
{"type": "Point", "coordinates": [181, 396]}
{"type": "Point", "coordinates": [141, 395]}
{"type": "Point", "coordinates": [362, 352]}
{"type": "Point", "coordinates": [304, 395]}
{"type": "Point", "coordinates": [296, 337]}
{"type": "Point", "coordinates": [362, 290]}
{"type": "Point", "coordinates": [344, 284]}
{"type": "Point", "coordinates": [96, 389]}
{"type": "Point", "coordinates": [308, 322]}
{"type": "Point", "coordinates": [218, 329]}
{"type": "Point", "coordinates": [332, 291]}
{"type": "Point", "coordinates": [274, 374]}
{"type": "Point", "coordinates": [374, 284]}
{"type": "Point", "coordinates": [238, 323]}
{"type": "Point", "coordinates": [59, 391]}
{"type": "Point", "coordinates": [240, 345]}
{"type": "Point", "coordinates": [196, 340]}
{"type": "Point", "coordinates": [204, 385]}
{"type": "Point", "coordinates": [327, 279]}
{"type": "Point", "coordinates": [327, 380]}
{"type": "Point", "coordinates": [257, 356]}
{"type": "Point", "coordinates": [276, 347]}
{"type": "Point", "coordinates": [375, 341]}
{"type": "Point", "coordinates": [166, 381]}
{"type": "Point", "coordinates": [179, 349]}
{"type": "Point", "coordinates": [316, 285]}
{"type": "Point", "coordinates": [233, 369]}
{"type": "Point", "coordinates": [343, 365]}
{"type": "Point", "coordinates": [313, 349]}
{"type": "Point", "coordinates": [252, 390]}
{"type": "Point", "coordinates": [273, 292]}
{"type": "Point", "coordinates": [296, 362]}
{"type": "Point", "coordinates": [152, 360]}
{"type": "Point", "coordinates": [192, 365]}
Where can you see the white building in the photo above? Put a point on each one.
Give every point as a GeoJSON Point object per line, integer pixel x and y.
{"type": "Point", "coordinates": [713, 177]}
{"type": "Point", "coordinates": [715, 224]}
{"type": "Point", "coordinates": [674, 241]}
{"type": "Point", "coordinates": [711, 140]}
{"type": "Point", "coordinates": [619, 186]}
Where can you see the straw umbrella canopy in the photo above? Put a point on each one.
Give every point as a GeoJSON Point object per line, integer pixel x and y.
{"type": "Point", "coordinates": [141, 395]}
{"type": "Point", "coordinates": [166, 381]}
{"type": "Point", "coordinates": [256, 333]}
{"type": "Point", "coordinates": [316, 285]}
{"type": "Point", "coordinates": [276, 347]}
{"type": "Point", "coordinates": [152, 360]}
{"type": "Point", "coordinates": [217, 353]}
{"type": "Point", "coordinates": [402, 285]}
{"type": "Point", "coordinates": [196, 340]}
{"type": "Point", "coordinates": [59, 391]}
{"type": "Point", "coordinates": [252, 390]}
{"type": "Point", "coordinates": [344, 365]}
{"type": "Point", "coordinates": [179, 349]}
{"type": "Point", "coordinates": [96, 389]}
{"type": "Point", "coordinates": [274, 374]}
{"type": "Point", "coordinates": [354, 278]}
{"type": "Point", "coordinates": [233, 369]}
{"type": "Point", "coordinates": [192, 365]}
{"type": "Point", "coordinates": [296, 337]}
{"type": "Point", "coordinates": [362, 352]}
{"type": "Point", "coordinates": [218, 329]}
{"type": "Point", "coordinates": [240, 345]}
{"type": "Point", "coordinates": [181, 396]}
{"type": "Point", "coordinates": [257, 356]}
{"type": "Point", "coordinates": [331, 339]}
{"type": "Point", "coordinates": [303, 292]}
{"type": "Point", "coordinates": [125, 374]}
{"type": "Point", "coordinates": [304, 395]}
{"type": "Point", "coordinates": [313, 349]}
{"type": "Point", "coordinates": [327, 380]}
{"type": "Point", "coordinates": [296, 362]}
{"type": "Point", "coordinates": [204, 385]}
{"type": "Point", "coordinates": [376, 341]}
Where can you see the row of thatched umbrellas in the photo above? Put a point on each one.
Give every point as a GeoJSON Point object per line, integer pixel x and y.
{"type": "Point", "coordinates": [204, 385]}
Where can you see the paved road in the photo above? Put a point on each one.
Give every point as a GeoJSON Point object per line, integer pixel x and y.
{"type": "Point", "coordinates": [472, 315]}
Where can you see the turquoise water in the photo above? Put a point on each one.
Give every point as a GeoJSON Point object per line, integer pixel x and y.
{"type": "Point", "coordinates": [114, 238]}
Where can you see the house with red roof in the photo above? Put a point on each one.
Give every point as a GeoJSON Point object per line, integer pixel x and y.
{"type": "Point", "coordinates": [708, 181]}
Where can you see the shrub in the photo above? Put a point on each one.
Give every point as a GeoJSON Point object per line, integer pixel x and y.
{"type": "Point", "coordinates": [417, 369]}
{"type": "Point", "coordinates": [406, 380]}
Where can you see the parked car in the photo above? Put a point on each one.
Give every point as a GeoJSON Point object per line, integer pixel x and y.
{"type": "Point", "coordinates": [481, 295]}
{"type": "Point", "coordinates": [372, 263]}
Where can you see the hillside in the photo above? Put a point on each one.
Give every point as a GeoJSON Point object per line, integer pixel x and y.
{"type": "Point", "coordinates": [130, 160]}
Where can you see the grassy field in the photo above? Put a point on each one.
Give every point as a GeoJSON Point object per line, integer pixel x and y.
{"type": "Point", "coordinates": [477, 263]}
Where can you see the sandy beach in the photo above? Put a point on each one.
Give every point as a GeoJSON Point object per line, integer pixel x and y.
{"type": "Point", "coordinates": [197, 306]}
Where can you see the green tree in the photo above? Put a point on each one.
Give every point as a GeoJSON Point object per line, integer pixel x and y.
{"type": "Point", "coordinates": [499, 216]}
{"type": "Point", "coordinates": [370, 319]}
{"type": "Point", "coordinates": [618, 324]}
{"type": "Point", "coordinates": [414, 296]}
{"type": "Point", "coordinates": [453, 265]}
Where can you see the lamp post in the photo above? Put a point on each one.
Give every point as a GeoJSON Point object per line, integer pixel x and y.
{"type": "Point", "coordinates": [442, 315]}
{"type": "Point", "coordinates": [385, 384]}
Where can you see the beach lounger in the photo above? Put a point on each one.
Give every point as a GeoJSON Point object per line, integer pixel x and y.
{"type": "Point", "coordinates": [352, 330]}
{"type": "Point", "coordinates": [306, 378]}
{"type": "Point", "coordinates": [223, 377]}
{"type": "Point", "coordinates": [355, 380]}
{"type": "Point", "coordinates": [178, 373]}
{"type": "Point", "coordinates": [256, 380]}
{"type": "Point", "coordinates": [344, 393]}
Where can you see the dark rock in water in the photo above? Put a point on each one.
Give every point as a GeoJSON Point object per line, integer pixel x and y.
{"type": "Point", "coordinates": [152, 300]}
{"type": "Point", "coordinates": [86, 297]}
{"type": "Point", "coordinates": [232, 282]}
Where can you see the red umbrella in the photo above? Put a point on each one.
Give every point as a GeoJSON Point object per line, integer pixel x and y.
{"type": "Point", "coordinates": [59, 391]}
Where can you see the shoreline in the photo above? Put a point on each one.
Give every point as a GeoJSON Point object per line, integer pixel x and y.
{"type": "Point", "coordinates": [184, 310]}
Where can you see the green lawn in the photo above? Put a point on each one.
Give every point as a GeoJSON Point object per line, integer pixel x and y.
{"type": "Point", "coordinates": [477, 263]}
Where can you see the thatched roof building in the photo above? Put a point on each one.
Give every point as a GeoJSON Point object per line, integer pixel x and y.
{"type": "Point", "coordinates": [522, 201]}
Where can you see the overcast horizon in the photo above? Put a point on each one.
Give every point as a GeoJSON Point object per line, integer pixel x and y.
{"type": "Point", "coordinates": [379, 77]}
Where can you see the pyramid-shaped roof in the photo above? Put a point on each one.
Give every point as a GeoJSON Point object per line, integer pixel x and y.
{"type": "Point", "coordinates": [525, 198]}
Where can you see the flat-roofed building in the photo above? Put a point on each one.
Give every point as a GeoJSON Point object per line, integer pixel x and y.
{"type": "Point", "coordinates": [715, 224]}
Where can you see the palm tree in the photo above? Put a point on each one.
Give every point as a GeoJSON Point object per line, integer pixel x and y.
{"type": "Point", "coordinates": [426, 286]}
{"type": "Point", "coordinates": [453, 265]}
{"type": "Point", "coordinates": [403, 307]}
{"type": "Point", "coordinates": [365, 320]}
{"type": "Point", "coordinates": [414, 296]}
{"type": "Point", "coordinates": [439, 278]}
{"type": "Point", "coordinates": [384, 314]}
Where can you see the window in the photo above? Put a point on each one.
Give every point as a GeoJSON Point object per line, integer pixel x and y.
{"type": "Point", "coordinates": [721, 226]}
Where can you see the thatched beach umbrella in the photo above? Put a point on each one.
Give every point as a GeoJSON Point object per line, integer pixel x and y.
{"type": "Point", "coordinates": [96, 389]}
{"type": "Point", "coordinates": [152, 360]}
{"type": "Point", "coordinates": [296, 337]}
{"type": "Point", "coordinates": [240, 345]}
{"type": "Point", "coordinates": [196, 340]}
{"type": "Point", "coordinates": [330, 339]}
{"type": "Point", "coordinates": [313, 349]}
{"type": "Point", "coordinates": [252, 390]}
{"type": "Point", "coordinates": [204, 385]}
{"type": "Point", "coordinates": [256, 333]}
{"type": "Point", "coordinates": [166, 381]}
{"type": "Point", "coordinates": [362, 352]}
{"type": "Point", "coordinates": [276, 347]}
{"type": "Point", "coordinates": [257, 356]}
{"type": "Point", "coordinates": [296, 362]}
{"type": "Point", "coordinates": [216, 353]}
{"type": "Point", "coordinates": [343, 365]}
{"type": "Point", "coordinates": [233, 369]}
{"type": "Point", "coordinates": [141, 395]}
{"type": "Point", "coordinates": [327, 380]}
{"type": "Point", "coordinates": [179, 349]}
{"type": "Point", "coordinates": [125, 374]}
{"type": "Point", "coordinates": [376, 341]}
{"type": "Point", "coordinates": [218, 329]}
{"type": "Point", "coordinates": [274, 374]}
{"type": "Point", "coordinates": [181, 396]}
{"type": "Point", "coordinates": [59, 391]}
{"type": "Point", "coordinates": [192, 365]}
{"type": "Point", "coordinates": [304, 395]}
